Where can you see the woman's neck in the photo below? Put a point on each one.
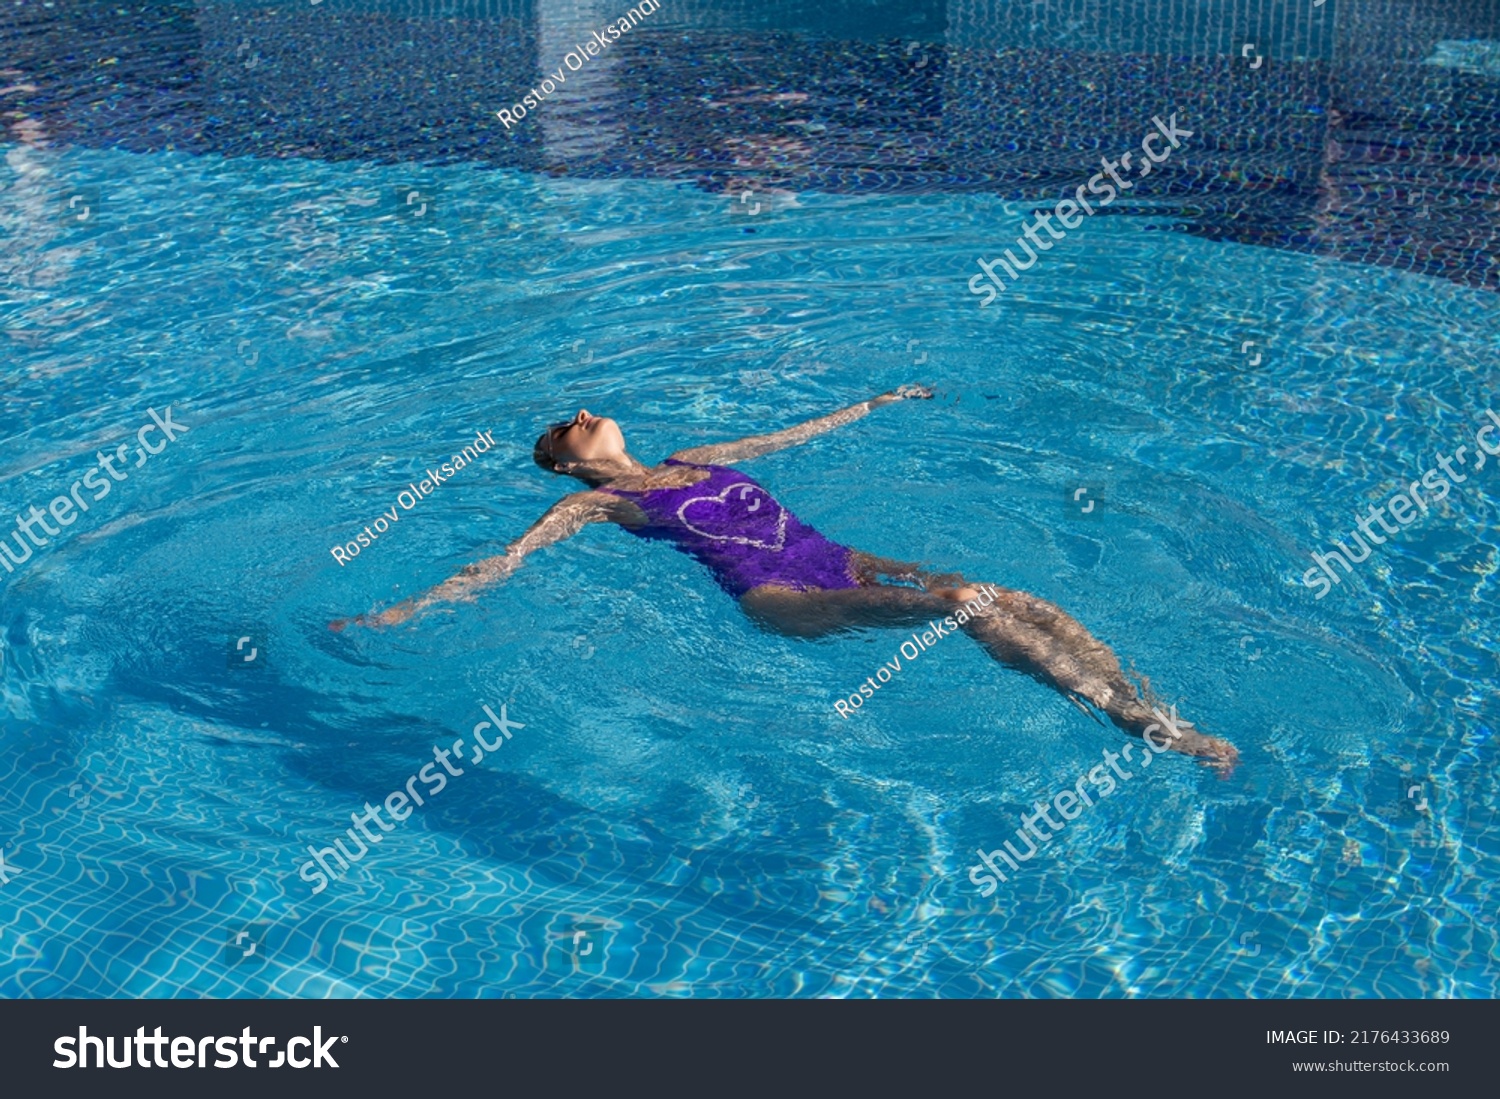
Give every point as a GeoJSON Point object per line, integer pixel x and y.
{"type": "Point", "coordinates": [616, 472]}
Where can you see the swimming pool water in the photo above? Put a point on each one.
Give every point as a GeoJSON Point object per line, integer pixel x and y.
{"type": "Point", "coordinates": [684, 813]}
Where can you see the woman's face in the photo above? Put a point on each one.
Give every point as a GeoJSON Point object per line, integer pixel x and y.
{"type": "Point", "coordinates": [586, 438]}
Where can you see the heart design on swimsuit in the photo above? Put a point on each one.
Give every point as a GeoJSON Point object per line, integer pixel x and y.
{"type": "Point", "coordinates": [739, 508]}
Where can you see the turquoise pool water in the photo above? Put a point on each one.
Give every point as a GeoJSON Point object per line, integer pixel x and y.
{"type": "Point", "coordinates": [333, 299]}
{"type": "Point", "coordinates": [683, 792]}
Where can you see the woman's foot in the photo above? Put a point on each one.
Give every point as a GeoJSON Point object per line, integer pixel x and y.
{"type": "Point", "coordinates": [1180, 736]}
{"type": "Point", "coordinates": [1215, 752]}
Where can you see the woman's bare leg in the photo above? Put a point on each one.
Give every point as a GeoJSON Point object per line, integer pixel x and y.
{"type": "Point", "coordinates": [1017, 629]}
{"type": "Point", "coordinates": [1044, 641]}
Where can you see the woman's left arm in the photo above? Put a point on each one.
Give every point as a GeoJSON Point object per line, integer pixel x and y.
{"type": "Point", "coordinates": [753, 446]}
{"type": "Point", "coordinates": [563, 520]}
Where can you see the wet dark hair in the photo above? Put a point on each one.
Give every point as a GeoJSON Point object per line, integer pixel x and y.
{"type": "Point", "coordinates": [541, 454]}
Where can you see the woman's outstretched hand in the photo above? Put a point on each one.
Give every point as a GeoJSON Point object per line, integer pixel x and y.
{"type": "Point", "coordinates": [465, 586]}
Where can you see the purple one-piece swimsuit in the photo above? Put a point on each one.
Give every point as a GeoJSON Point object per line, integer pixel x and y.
{"type": "Point", "coordinates": [736, 528]}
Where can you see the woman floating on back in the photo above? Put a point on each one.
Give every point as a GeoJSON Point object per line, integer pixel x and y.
{"type": "Point", "coordinates": [792, 580]}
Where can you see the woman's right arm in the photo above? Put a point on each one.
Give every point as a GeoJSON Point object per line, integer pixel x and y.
{"type": "Point", "coordinates": [563, 520]}
{"type": "Point", "coordinates": [753, 446]}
